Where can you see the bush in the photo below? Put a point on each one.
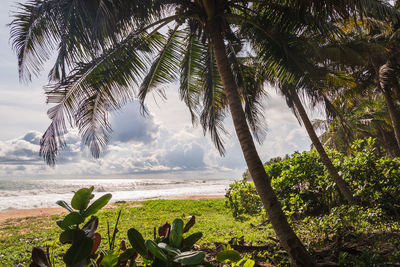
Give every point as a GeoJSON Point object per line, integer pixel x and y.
{"type": "Point", "coordinates": [375, 181]}
{"type": "Point", "coordinates": [344, 219]}
{"type": "Point", "coordinates": [305, 188]}
{"type": "Point", "coordinates": [242, 198]}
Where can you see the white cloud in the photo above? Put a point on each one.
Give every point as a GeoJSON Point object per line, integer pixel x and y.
{"type": "Point", "coordinates": [130, 126]}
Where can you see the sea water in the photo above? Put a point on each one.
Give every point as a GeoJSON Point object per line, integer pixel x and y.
{"type": "Point", "coordinates": [43, 193]}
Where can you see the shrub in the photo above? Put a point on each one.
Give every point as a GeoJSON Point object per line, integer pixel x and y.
{"type": "Point", "coordinates": [242, 198]}
{"type": "Point", "coordinates": [344, 219]}
{"type": "Point", "coordinates": [305, 188]}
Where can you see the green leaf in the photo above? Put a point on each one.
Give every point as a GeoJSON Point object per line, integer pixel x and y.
{"type": "Point", "coordinates": [127, 254]}
{"type": "Point", "coordinates": [156, 250]}
{"type": "Point", "coordinates": [175, 237]}
{"type": "Point", "coordinates": [249, 263]}
{"type": "Point", "coordinates": [60, 224]}
{"type": "Point", "coordinates": [191, 240]}
{"type": "Point", "coordinates": [79, 251]}
{"type": "Point", "coordinates": [97, 205]}
{"type": "Point", "coordinates": [81, 199]}
{"type": "Point", "coordinates": [190, 257]}
{"type": "Point", "coordinates": [231, 255]}
{"type": "Point", "coordinates": [109, 260]}
{"type": "Point", "coordinates": [71, 235]}
{"type": "Point", "coordinates": [65, 205]}
{"type": "Point", "coordinates": [170, 250]}
{"type": "Point", "coordinates": [71, 219]}
{"type": "Point", "coordinates": [137, 241]}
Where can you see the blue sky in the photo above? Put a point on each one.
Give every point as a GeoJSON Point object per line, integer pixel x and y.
{"type": "Point", "coordinates": [164, 144]}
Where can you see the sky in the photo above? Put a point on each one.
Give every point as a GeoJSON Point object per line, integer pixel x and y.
{"type": "Point", "coordinates": [161, 145]}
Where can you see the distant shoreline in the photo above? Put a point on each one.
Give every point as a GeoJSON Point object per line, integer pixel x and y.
{"type": "Point", "coordinates": [7, 215]}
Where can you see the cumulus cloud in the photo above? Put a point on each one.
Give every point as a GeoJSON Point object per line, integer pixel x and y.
{"type": "Point", "coordinates": [130, 126]}
{"type": "Point", "coordinates": [22, 150]}
{"type": "Point", "coordinates": [186, 156]}
{"type": "Point", "coordinates": [154, 151]}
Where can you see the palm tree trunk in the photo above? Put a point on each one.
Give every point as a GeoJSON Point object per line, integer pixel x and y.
{"type": "Point", "coordinates": [341, 184]}
{"type": "Point", "coordinates": [288, 239]}
{"type": "Point", "coordinates": [387, 80]}
{"type": "Point", "coordinates": [392, 151]}
{"type": "Point", "coordinates": [394, 116]}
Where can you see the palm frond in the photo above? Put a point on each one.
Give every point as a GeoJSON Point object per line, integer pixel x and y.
{"type": "Point", "coordinates": [164, 68]}
{"type": "Point", "coordinates": [340, 9]}
{"type": "Point", "coordinates": [91, 91]}
{"type": "Point", "coordinates": [250, 81]}
{"type": "Point", "coordinates": [190, 73]}
{"type": "Point", "coordinates": [214, 101]}
{"type": "Point", "coordinates": [31, 34]}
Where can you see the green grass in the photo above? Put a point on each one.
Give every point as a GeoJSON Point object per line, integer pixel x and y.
{"type": "Point", "coordinates": [212, 218]}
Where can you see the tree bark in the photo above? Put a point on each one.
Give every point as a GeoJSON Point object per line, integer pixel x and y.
{"type": "Point", "coordinates": [288, 239]}
{"type": "Point", "coordinates": [393, 113]}
{"type": "Point", "coordinates": [387, 81]}
{"type": "Point", "coordinates": [341, 184]}
{"type": "Point", "coordinates": [392, 151]}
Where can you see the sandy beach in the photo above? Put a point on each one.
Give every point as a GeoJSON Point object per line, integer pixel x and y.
{"type": "Point", "coordinates": [7, 215]}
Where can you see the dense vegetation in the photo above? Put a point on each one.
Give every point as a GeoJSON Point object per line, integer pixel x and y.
{"type": "Point", "coordinates": [312, 203]}
{"type": "Point", "coordinates": [305, 189]}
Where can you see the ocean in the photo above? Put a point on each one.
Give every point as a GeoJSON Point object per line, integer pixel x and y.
{"type": "Point", "coordinates": [43, 193]}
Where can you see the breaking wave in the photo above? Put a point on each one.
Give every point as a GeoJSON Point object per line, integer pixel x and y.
{"type": "Point", "coordinates": [42, 193]}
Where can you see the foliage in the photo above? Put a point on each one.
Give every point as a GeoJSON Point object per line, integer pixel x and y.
{"type": "Point", "coordinates": [168, 249]}
{"type": "Point", "coordinates": [360, 117]}
{"type": "Point", "coordinates": [304, 187]}
{"type": "Point", "coordinates": [242, 198]}
{"type": "Point", "coordinates": [231, 256]}
{"type": "Point", "coordinates": [376, 180]}
{"type": "Point", "coordinates": [344, 219]}
{"type": "Point", "coordinates": [352, 232]}
{"type": "Point", "coordinates": [84, 240]}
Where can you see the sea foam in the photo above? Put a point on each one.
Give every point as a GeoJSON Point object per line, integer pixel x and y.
{"type": "Point", "coordinates": [43, 193]}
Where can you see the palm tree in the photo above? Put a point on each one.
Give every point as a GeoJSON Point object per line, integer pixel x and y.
{"type": "Point", "coordinates": [387, 74]}
{"type": "Point", "coordinates": [376, 43]}
{"type": "Point", "coordinates": [388, 84]}
{"type": "Point", "coordinates": [295, 68]}
{"type": "Point", "coordinates": [106, 46]}
{"type": "Point", "coordinates": [361, 117]}
{"type": "Point", "coordinates": [341, 184]}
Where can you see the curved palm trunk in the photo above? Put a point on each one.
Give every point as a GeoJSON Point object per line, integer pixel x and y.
{"type": "Point", "coordinates": [288, 239]}
{"type": "Point", "coordinates": [341, 184]}
{"type": "Point", "coordinates": [387, 80]}
{"type": "Point", "coordinates": [392, 151]}
{"type": "Point", "coordinates": [394, 116]}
